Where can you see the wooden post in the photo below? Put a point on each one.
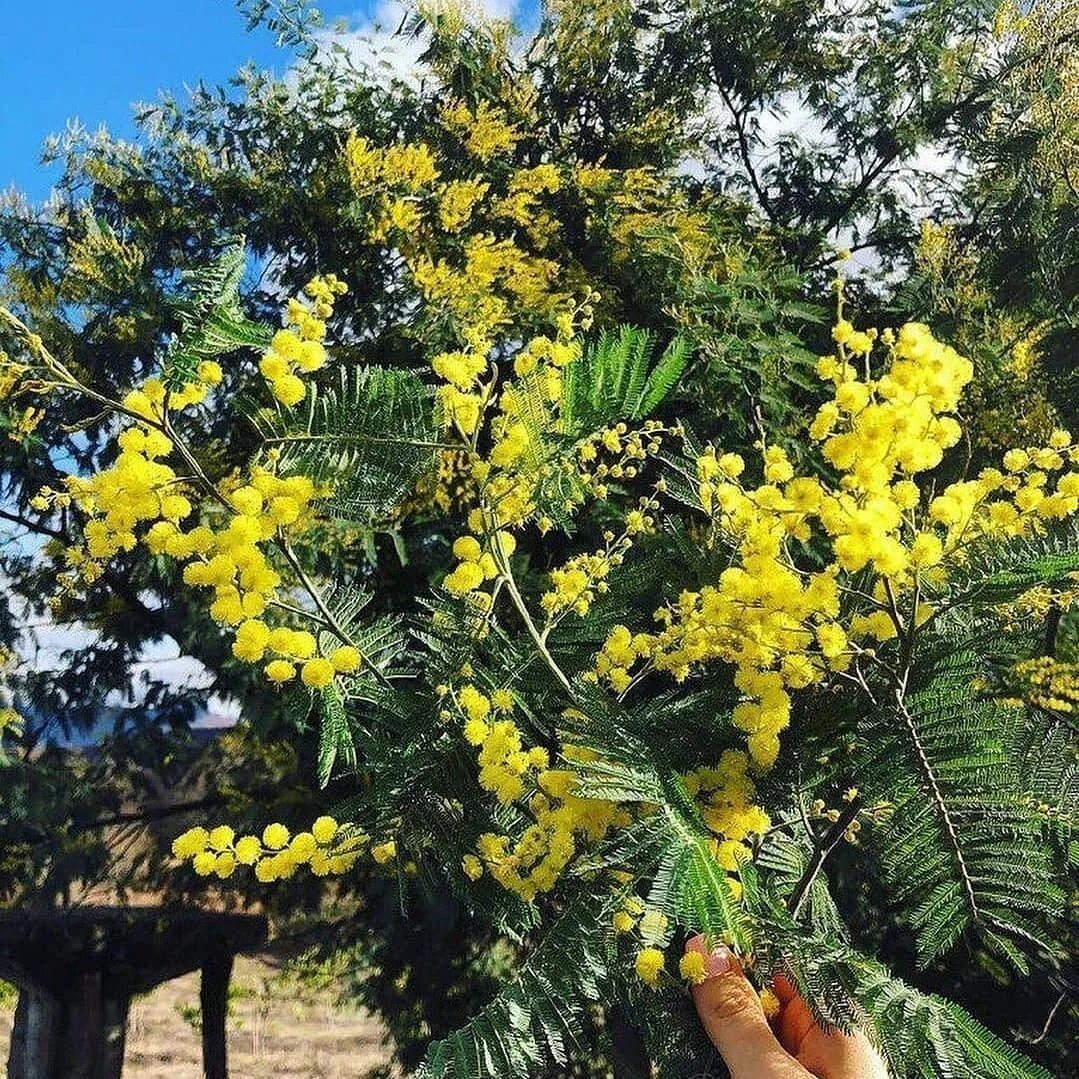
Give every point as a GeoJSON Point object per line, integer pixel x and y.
{"type": "Point", "coordinates": [80, 1036]}
{"type": "Point", "coordinates": [213, 996]}
{"type": "Point", "coordinates": [84, 1034]}
{"type": "Point", "coordinates": [37, 1019]}
{"type": "Point", "coordinates": [115, 1036]}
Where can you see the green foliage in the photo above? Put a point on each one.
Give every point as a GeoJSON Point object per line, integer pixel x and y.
{"type": "Point", "coordinates": [536, 1019]}
{"type": "Point", "coordinates": [962, 850]}
{"type": "Point", "coordinates": [615, 378]}
{"type": "Point", "coordinates": [334, 738]}
{"type": "Point", "coordinates": [372, 434]}
{"type": "Point", "coordinates": [968, 861]}
{"type": "Point", "coordinates": [212, 322]}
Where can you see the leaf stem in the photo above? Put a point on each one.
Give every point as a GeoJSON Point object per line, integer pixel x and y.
{"type": "Point", "coordinates": [522, 610]}
{"type": "Point", "coordinates": [327, 615]}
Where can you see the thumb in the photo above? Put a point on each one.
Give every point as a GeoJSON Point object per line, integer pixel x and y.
{"type": "Point", "coordinates": [732, 1015]}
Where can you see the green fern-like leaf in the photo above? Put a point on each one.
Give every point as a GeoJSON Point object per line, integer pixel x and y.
{"type": "Point", "coordinates": [962, 850]}
{"type": "Point", "coordinates": [212, 323]}
{"type": "Point", "coordinates": [371, 435]}
{"type": "Point", "coordinates": [535, 1020]}
{"type": "Point", "coordinates": [996, 571]}
{"type": "Point", "coordinates": [335, 738]}
{"type": "Point", "coordinates": [615, 379]}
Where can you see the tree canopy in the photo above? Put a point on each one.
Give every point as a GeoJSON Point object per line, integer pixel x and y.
{"type": "Point", "coordinates": [444, 381]}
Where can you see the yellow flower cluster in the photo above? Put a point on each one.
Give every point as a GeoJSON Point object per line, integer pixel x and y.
{"type": "Point", "coordinates": [410, 167]}
{"type": "Point", "coordinates": [780, 626]}
{"type": "Point", "coordinates": [625, 920]}
{"type": "Point", "coordinates": [483, 286]}
{"type": "Point", "coordinates": [231, 561]}
{"type": "Point", "coordinates": [11, 374]}
{"type": "Point", "coordinates": [645, 214]}
{"type": "Point", "coordinates": [11, 722]}
{"type": "Point", "coordinates": [484, 130]}
{"type": "Point", "coordinates": [298, 347]}
{"type": "Point", "coordinates": [496, 286]}
{"type": "Point", "coordinates": [650, 966]}
{"type": "Point", "coordinates": [139, 489]}
{"type": "Point", "coordinates": [628, 446]}
{"type": "Point", "coordinates": [693, 967]}
{"type": "Point", "coordinates": [1035, 604]}
{"type": "Point", "coordinates": [522, 206]}
{"type": "Point", "coordinates": [456, 202]}
{"type": "Point", "coordinates": [535, 862]}
{"type": "Point", "coordinates": [1048, 683]}
{"type": "Point", "coordinates": [517, 465]}
{"type": "Point", "coordinates": [574, 586]}
{"type": "Point", "coordinates": [477, 564]}
{"type": "Point", "coordinates": [505, 764]}
{"type": "Point", "coordinates": [508, 770]}
{"type": "Point", "coordinates": [141, 498]}
{"type": "Point", "coordinates": [653, 927]}
{"type": "Point", "coordinates": [725, 796]}
{"type": "Point", "coordinates": [770, 1003]}
{"type": "Point", "coordinates": [327, 849]}
{"type": "Point", "coordinates": [450, 485]}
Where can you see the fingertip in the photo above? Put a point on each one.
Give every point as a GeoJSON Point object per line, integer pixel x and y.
{"type": "Point", "coordinates": [718, 959]}
{"type": "Point", "coordinates": [784, 989]}
{"type": "Point", "coordinates": [733, 1015]}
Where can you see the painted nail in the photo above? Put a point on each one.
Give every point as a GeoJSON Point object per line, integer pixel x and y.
{"type": "Point", "coordinates": [718, 961]}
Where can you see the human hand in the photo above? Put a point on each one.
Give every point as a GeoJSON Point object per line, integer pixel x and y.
{"type": "Point", "coordinates": [793, 1046]}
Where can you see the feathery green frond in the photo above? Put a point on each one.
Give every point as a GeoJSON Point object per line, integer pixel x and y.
{"type": "Point", "coordinates": [334, 737]}
{"type": "Point", "coordinates": [962, 849]}
{"type": "Point", "coordinates": [616, 379]}
{"type": "Point", "coordinates": [997, 571]}
{"type": "Point", "coordinates": [534, 1020]}
{"type": "Point", "coordinates": [371, 434]}
{"type": "Point", "coordinates": [212, 322]}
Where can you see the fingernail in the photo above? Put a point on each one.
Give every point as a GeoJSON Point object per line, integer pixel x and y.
{"type": "Point", "coordinates": [717, 961]}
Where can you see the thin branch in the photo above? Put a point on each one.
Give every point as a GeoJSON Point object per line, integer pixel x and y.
{"type": "Point", "coordinates": [1039, 1038]}
{"type": "Point", "coordinates": [522, 610]}
{"type": "Point", "coordinates": [151, 813]}
{"type": "Point", "coordinates": [331, 621]}
{"type": "Point", "coordinates": [744, 154]}
{"type": "Point", "coordinates": [828, 842]}
{"type": "Point", "coordinates": [32, 526]}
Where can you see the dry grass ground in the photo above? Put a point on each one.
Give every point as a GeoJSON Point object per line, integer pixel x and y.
{"type": "Point", "coordinates": [274, 1031]}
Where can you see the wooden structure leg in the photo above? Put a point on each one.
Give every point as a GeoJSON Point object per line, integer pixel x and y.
{"type": "Point", "coordinates": [33, 1039]}
{"type": "Point", "coordinates": [78, 1036]}
{"type": "Point", "coordinates": [214, 996]}
{"type": "Point", "coordinates": [115, 1036]}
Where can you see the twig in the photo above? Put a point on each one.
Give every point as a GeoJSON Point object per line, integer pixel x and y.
{"type": "Point", "coordinates": [151, 813]}
{"type": "Point", "coordinates": [522, 610]}
{"type": "Point", "coordinates": [823, 848]}
{"type": "Point", "coordinates": [1039, 1038]}
{"type": "Point", "coordinates": [334, 626]}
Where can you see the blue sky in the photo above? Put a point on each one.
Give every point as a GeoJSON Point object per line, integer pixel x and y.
{"type": "Point", "coordinates": [94, 58]}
